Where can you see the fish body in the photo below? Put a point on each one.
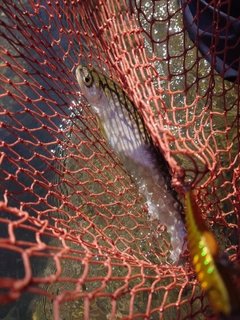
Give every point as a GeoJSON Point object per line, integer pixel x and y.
{"type": "Point", "coordinates": [124, 128]}
{"type": "Point", "coordinates": [213, 272]}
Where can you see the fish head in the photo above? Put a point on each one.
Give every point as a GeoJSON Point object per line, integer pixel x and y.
{"type": "Point", "coordinates": [89, 82]}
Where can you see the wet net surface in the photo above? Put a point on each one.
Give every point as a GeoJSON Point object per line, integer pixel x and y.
{"type": "Point", "coordinates": [76, 241]}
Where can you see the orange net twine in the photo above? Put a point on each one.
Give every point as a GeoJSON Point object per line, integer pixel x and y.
{"type": "Point", "coordinates": [76, 241]}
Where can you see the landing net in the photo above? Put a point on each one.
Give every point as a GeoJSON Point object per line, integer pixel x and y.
{"type": "Point", "coordinates": [75, 238]}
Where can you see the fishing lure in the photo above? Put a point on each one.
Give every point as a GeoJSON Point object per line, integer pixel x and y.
{"type": "Point", "coordinates": [212, 271]}
{"type": "Point", "coordinates": [124, 128]}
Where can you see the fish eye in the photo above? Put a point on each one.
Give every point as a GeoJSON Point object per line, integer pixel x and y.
{"type": "Point", "coordinates": [87, 80]}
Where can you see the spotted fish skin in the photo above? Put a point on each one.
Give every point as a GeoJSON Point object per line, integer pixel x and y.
{"type": "Point", "coordinates": [124, 128]}
{"type": "Point", "coordinates": [204, 253]}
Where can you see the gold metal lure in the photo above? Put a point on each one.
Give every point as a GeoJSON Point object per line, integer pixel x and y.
{"type": "Point", "coordinates": [204, 252]}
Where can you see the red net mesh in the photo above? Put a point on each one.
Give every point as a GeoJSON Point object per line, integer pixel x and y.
{"type": "Point", "coordinates": [75, 239]}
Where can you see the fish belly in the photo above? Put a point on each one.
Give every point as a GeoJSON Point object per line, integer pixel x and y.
{"type": "Point", "coordinates": [160, 201]}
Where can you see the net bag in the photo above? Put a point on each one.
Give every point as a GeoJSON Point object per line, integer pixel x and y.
{"type": "Point", "coordinates": [76, 241]}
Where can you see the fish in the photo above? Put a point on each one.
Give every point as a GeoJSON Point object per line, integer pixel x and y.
{"type": "Point", "coordinates": [123, 127]}
{"type": "Point", "coordinates": [213, 270]}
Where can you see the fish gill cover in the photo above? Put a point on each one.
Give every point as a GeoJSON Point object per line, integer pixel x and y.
{"type": "Point", "coordinates": [76, 241]}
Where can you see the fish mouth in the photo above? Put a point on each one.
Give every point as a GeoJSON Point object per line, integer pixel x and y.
{"type": "Point", "coordinates": [78, 72]}
{"type": "Point", "coordinates": [79, 75]}
{"type": "Point", "coordinates": [80, 69]}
